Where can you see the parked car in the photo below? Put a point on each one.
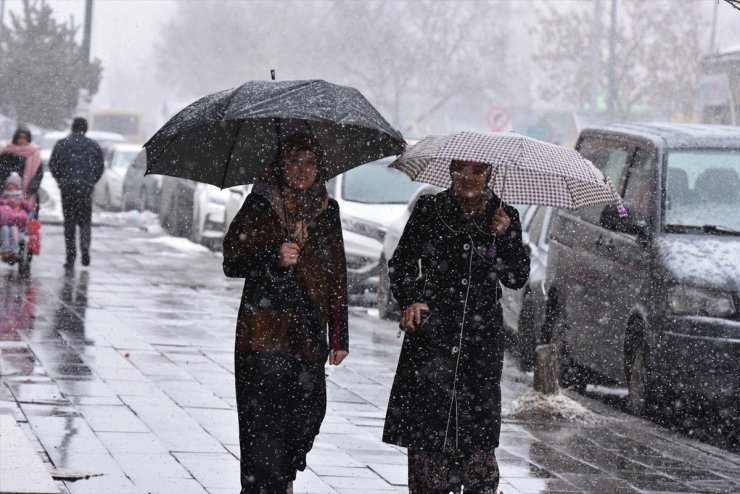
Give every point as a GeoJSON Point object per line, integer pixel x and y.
{"type": "Point", "coordinates": [48, 139]}
{"type": "Point", "coordinates": [109, 189]}
{"type": "Point", "coordinates": [653, 299]}
{"type": "Point", "coordinates": [234, 202]}
{"type": "Point", "coordinates": [387, 305]}
{"type": "Point", "coordinates": [370, 198]}
{"type": "Point", "coordinates": [524, 309]}
{"type": "Point", "coordinates": [141, 192]}
{"type": "Point", "coordinates": [193, 210]}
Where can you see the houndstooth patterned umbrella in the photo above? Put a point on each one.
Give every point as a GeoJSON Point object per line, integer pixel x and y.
{"type": "Point", "coordinates": [525, 170]}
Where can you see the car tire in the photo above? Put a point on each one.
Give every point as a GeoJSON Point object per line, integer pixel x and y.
{"type": "Point", "coordinates": [107, 203]}
{"type": "Point", "coordinates": [526, 339]}
{"type": "Point", "coordinates": [643, 399]}
{"type": "Point", "coordinates": [142, 200]}
{"type": "Point", "coordinates": [570, 375]}
{"type": "Point", "coordinates": [387, 306]}
{"type": "Point", "coordinates": [195, 232]}
{"type": "Point", "coordinates": [24, 265]}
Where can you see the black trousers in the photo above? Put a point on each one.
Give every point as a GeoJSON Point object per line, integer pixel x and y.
{"type": "Point", "coordinates": [77, 210]}
{"type": "Point", "coordinates": [281, 402]}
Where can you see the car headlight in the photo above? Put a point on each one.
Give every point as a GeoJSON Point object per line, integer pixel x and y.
{"type": "Point", "coordinates": [698, 301]}
{"type": "Point", "coordinates": [362, 227]}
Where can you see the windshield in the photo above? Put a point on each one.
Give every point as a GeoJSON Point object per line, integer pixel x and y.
{"type": "Point", "coordinates": [124, 158]}
{"type": "Point", "coordinates": [703, 188]}
{"type": "Point", "coordinates": [375, 183]}
{"type": "Point", "coordinates": [48, 142]}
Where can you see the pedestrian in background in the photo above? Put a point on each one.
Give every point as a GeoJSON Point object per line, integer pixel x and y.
{"type": "Point", "coordinates": [456, 250]}
{"type": "Point", "coordinates": [23, 158]}
{"type": "Point", "coordinates": [77, 164]}
{"type": "Point", "coordinates": [287, 242]}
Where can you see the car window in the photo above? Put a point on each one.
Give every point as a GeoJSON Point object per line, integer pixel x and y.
{"type": "Point", "coordinates": [375, 183]}
{"type": "Point", "coordinates": [702, 188]}
{"type": "Point", "coordinates": [535, 227]}
{"type": "Point", "coordinates": [122, 159]}
{"type": "Point", "coordinates": [638, 192]}
{"type": "Point", "coordinates": [611, 157]}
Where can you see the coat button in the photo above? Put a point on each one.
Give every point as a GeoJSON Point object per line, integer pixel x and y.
{"type": "Point", "coordinates": [466, 247]}
{"type": "Point", "coordinates": [464, 281]}
{"type": "Point", "coordinates": [454, 350]}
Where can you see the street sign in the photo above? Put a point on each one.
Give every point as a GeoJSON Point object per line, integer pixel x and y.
{"type": "Point", "coordinates": [498, 119]}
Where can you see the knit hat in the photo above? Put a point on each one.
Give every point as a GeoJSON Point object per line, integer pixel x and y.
{"type": "Point", "coordinates": [13, 185]}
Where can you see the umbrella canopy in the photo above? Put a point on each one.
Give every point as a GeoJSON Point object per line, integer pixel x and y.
{"type": "Point", "coordinates": [525, 170]}
{"type": "Point", "coordinates": [228, 138]}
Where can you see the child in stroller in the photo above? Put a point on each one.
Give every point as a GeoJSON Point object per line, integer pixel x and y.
{"type": "Point", "coordinates": [14, 215]}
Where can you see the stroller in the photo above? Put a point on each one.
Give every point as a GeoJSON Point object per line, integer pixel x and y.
{"type": "Point", "coordinates": [28, 239]}
{"type": "Point", "coordinates": [19, 227]}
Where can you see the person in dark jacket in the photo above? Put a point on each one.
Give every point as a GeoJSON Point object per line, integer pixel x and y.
{"type": "Point", "coordinates": [23, 158]}
{"type": "Point", "coordinates": [77, 164]}
{"type": "Point", "coordinates": [458, 247]}
{"type": "Point", "coordinates": [287, 242]}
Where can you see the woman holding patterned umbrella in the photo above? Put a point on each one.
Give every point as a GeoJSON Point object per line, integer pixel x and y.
{"type": "Point", "coordinates": [287, 242]}
{"type": "Point", "coordinates": [458, 247]}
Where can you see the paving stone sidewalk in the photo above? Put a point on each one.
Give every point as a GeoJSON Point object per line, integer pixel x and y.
{"type": "Point", "coordinates": [124, 371]}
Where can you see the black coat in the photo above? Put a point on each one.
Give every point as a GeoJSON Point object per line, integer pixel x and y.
{"type": "Point", "coordinates": [447, 388]}
{"type": "Point", "coordinates": [76, 163]}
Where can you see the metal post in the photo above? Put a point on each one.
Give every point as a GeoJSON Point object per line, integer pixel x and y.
{"type": "Point", "coordinates": [713, 38]}
{"type": "Point", "coordinates": [595, 59]}
{"type": "Point", "coordinates": [87, 33]}
{"type": "Point", "coordinates": [612, 83]}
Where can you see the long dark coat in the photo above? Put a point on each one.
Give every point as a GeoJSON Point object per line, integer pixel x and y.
{"type": "Point", "coordinates": [289, 319]}
{"type": "Point", "coordinates": [447, 392]}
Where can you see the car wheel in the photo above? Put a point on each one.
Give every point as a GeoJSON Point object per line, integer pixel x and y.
{"type": "Point", "coordinates": [142, 200]}
{"type": "Point", "coordinates": [106, 199]}
{"type": "Point", "coordinates": [569, 374]}
{"type": "Point", "coordinates": [24, 265]}
{"type": "Point", "coordinates": [195, 232]}
{"type": "Point", "coordinates": [387, 306]}
{"type": "Point", "coordinates": [643, 399]}
{"type": "Point", "coordinates": [526, 337]}
{"type": "Point", "coordinates": [638, 387]}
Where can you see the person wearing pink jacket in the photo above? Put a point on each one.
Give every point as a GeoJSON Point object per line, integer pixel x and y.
{"type": "Point", "coordinates": [14, 215]}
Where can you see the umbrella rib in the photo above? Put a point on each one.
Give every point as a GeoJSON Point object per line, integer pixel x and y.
{"type": "Point", "coordinates": [231, 152]}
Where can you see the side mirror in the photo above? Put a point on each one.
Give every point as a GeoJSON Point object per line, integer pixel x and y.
{"type": "Point", "coordinates": [632, 224]}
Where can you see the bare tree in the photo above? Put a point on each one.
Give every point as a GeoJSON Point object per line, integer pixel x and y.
{"type": "Point", "coordinates": [656, 61]}
{"type": "Point", "coordinates": [410, 58]}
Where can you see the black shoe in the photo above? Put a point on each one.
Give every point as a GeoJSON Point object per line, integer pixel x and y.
{"type": "Point", "coordinates": [85, 259]}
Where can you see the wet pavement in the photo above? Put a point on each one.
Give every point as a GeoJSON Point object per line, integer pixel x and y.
{"type": "Point", "coordinates": [123, 371]}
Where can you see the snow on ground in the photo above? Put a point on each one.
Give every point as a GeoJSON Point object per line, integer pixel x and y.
{"type": "Point", "coordinates": [177, 243]}
{"type": "Point", "coordinates": [539, 406]}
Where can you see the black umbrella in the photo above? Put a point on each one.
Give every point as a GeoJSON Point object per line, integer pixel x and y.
{"type": "Point", "coordinates": [228, 138]}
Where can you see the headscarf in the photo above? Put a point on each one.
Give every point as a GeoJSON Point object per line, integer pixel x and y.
{"type": "Point", "coordinates": [301, 206]}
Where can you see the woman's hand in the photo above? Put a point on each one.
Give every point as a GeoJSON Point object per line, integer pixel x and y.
{"type": "Point", "coordinates": [289, 254]}
{"type": "Point", "coordinates": [411, 317]}
{"type": "Point", "coordinates": [336, 356]}
{"type": "Point", "coordinates": [501, 222]}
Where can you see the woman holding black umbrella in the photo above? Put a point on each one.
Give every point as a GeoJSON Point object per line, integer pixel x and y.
{"type": "Point", "coordinates": [445, 405]}
{"type": "Point", "coordinates": [287, 242]}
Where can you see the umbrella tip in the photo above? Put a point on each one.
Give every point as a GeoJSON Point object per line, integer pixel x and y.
{"type": "Point", "coordinates": [272, 74]}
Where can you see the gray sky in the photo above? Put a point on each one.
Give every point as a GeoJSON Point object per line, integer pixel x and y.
{"type": "Point", "coordinates": [124, 32]}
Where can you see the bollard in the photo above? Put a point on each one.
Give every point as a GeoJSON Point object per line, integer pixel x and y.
{"type": "Point", "coordinates": [546, 371]}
